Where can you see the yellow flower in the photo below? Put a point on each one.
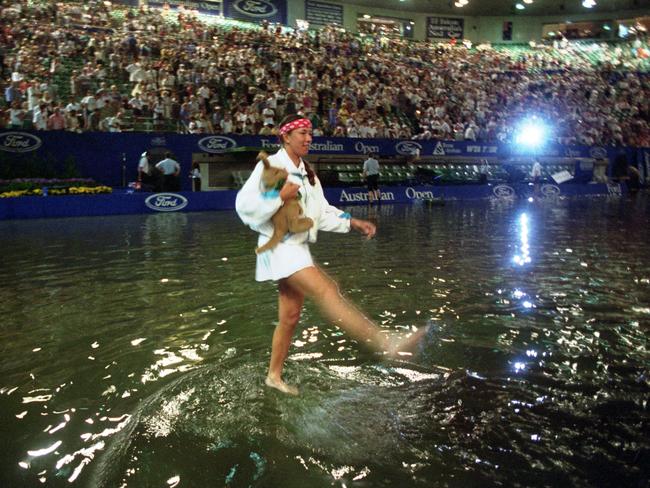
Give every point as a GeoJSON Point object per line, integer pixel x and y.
{"type": "Point", "coordinates": [74, 190]}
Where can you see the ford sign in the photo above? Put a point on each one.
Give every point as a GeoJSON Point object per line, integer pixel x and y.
{"type": "Point", "coordinates": [19, 142]}
{"type": "Point", "coordinates": [158, 141]}
{"type": "Point", "coordinates": [503, 192]}
{"type": "Point", "coordinates": [550, 190]}
{"type": "Point", "coordinates": [255, 8]}
{"type": "Point", "coordinates": [217, 144]}
{"type": "Point", "coordinates": [166, 202]}
{"type": "Point", "coordinates": [598, 153]}
{"type": "Point", "coordinates": [408, 148]}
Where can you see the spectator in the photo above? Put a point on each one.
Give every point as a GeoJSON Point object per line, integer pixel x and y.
{"type": "Point", "coordinates": [146, 176]}
{"type": "Point", "coordinates": [594, 94]}
{"type": "Point", "coordinates": [16, 115]}
{"type": "Point", "coordinates": [40, 117]}
{"type": "Point", "coordinates": [56, 121]}
{"type": "Point", "coordinates": [114, 123]}
{"type": "Point", "coordinates": [71, 121]}
{"type": "Point", "coordinates": [195, 174]}
{"type": "Point", "coordinates": [371, 174]}
{"type": "Point", "coordinates": [170, 170]}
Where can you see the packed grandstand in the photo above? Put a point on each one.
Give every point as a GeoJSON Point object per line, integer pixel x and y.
{"type": "Point", "coordinates": [94, 66]}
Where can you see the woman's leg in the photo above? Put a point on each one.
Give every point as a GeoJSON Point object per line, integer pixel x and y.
{"type": "Point", "coordinates": [315, 283]}
{"type": "Point", "coordinates": [290, 303]}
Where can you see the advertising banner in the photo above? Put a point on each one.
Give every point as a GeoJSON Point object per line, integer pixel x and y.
{"type": "Point", "coordinates": [320, 14]}
{"type": "Point", "coordinates": [643, 165]}
{"type": "Point", "coordinates": [125, 203]}
{"type": "Point", "coordinates": [274, 11]}
{"type": "Point", "coordinates": [102, 155]}
{"type": "Point", "coordinates": [211, 7]}
{"type": "Point", "coordinates": [445, 28]}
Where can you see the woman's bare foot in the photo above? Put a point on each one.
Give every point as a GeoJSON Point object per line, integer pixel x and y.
{"type": "Point", "coordinates": [404, 346]}
{"type": "Point", "coordinates": [282, 386]}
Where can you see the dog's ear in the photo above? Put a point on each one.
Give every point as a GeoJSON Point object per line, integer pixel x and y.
{"type": "Point", "coordinates": [264, 157]}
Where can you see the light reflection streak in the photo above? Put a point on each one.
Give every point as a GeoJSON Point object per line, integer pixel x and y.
{"type": "Point", "coordinates": [45, 450]}
{"type": "Point", "coordinates": [161, 424]}
{"type": "Point", "coordinates": [58, 427]}
{"type": "Point", "coordinates": [159, 369]}
{"type": "Point", "coordinates": [303, 356]}
{"type": "Point", "coordinates": [39, 398]}
{"type": "Point", "coordinates": [123, 421]}
{"type": "Point", "coordinates": [519, 366]}
{"type": "Point", "coordinates": [77, 470]}
{"type": "Point", "coordinates": [415, 376]}
{"type": "Point", "coordinates": [364, 472]}
{"type": "Point", "coordinates": [338, 473]}
{"type": "Point", "coordinates": [86, 452]}
{"type": "Point", "coordinates": [524, 256]}
{"type": "Point", "coordinates": [518, 294]}
{"type": "Point", "coordinates": [344, 371]}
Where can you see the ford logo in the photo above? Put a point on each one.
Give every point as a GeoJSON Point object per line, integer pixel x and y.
{"type": "Point", "coordinates": [550, 190]}
{"type": "Point", "coordinates": [255, 8]}
{"type": "Point", "coordinates": [598, 152]}
{"type": "Point", "coordinates": [408, 148]}
{"type": "Point", "coordinates": [216, 144]}
{"type": "Point", "coordinates": [158, 141]}
{"type": "Point", "coordinates": [166, 202]}
{"type": "Point", "coordinates": [19, 142]}
{"type": "Point", "coordinates": [503, 191]}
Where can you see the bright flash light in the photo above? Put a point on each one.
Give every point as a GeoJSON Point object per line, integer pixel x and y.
{"type": "Point", "coordinates": [532, 133]}
{"type": "Point", "coordinates": [589, 3]}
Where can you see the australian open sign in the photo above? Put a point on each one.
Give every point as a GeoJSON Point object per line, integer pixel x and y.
{"type": "Point", "coordinates": [166, 202]}
{"type": "Point", "coordinates": [19, 142]}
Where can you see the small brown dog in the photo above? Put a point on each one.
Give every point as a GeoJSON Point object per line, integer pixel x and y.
{"type": "Point", "coordinates": [288, 218]}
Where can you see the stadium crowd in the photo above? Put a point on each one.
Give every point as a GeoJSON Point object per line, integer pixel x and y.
{"type": "Point", "coordinates": [95, 66]}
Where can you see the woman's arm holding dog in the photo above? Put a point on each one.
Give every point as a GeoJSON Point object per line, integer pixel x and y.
{"type": "Point", "coordinates": [253, 205]}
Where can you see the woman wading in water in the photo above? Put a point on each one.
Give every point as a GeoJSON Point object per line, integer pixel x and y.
{"type": "Point", "coordinates": [290, 262]}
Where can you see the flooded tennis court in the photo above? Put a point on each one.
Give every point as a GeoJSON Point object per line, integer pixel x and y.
{"type": "Point", "coordinates": [134, 350]}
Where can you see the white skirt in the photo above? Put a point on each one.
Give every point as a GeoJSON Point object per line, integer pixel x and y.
{"type": "Point", "coordinates": [282, 261]}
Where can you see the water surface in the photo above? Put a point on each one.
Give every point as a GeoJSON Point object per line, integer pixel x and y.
{"type": "Point", "coordinates": [134, 349]}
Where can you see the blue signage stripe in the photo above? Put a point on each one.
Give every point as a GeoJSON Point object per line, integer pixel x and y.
{"type": "Point", "coordinates": [98, 154]}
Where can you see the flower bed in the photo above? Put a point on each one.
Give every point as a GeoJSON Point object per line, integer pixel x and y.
{"type": "Point", "coordinates": [45, 187]}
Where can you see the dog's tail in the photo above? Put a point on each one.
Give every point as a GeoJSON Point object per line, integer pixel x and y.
{"type": "Point", "coordinates": [264, 157]}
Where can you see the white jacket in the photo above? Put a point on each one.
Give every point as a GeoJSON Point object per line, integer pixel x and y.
{"type": "Point", "coordinates": [255, 205]}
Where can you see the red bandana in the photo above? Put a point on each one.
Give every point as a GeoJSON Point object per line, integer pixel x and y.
{"type": "Point", "coordinates": [296, 124]}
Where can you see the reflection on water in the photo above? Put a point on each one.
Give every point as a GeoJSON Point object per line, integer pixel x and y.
{"type": "Point", "coordinates": [133, 352]}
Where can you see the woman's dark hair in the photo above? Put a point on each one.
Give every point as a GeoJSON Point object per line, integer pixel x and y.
{"type": "Point", "coordinates": [311, 175]}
